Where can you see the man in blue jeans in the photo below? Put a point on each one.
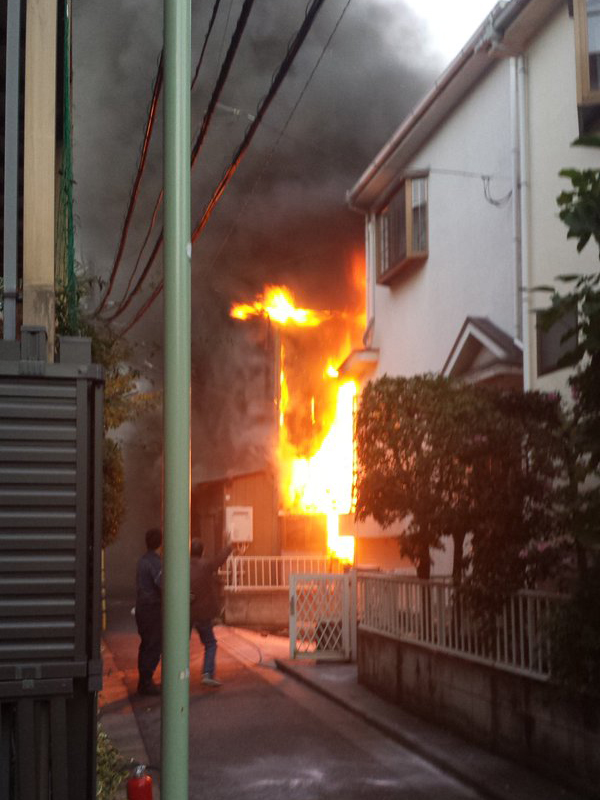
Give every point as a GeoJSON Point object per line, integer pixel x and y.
{"type": "Point", "coordinates": [204, 606]}
{"type": "Point", "coordinates": [148, 612]}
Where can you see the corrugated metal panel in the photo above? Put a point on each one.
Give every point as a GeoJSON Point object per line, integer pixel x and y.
{"type": "Point", "coordinates": [43, 543]}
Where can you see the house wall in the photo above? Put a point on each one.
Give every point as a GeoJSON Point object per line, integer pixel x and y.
{"type": "Point", "coordinates": [553, 127]}
{"type": "Point", "coordinates": [519, 717]}
{"type": "Point", "coordinates": [470, 268]}
{"type": "Point", "coordinates": [259, 491]}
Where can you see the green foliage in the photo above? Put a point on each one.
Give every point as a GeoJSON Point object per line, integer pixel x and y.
{"type": "Point", "coordinates": [575, 629]}
{"type": "Point", "coordinates": [113, 507]}
{"type": "Point", "coordinates": [575, 637]}
{"type": "Point", "coordinates": [453, 459]}
{"type": "Point", "coordinates": [122, 399]}
{"type": "Point", "coordinates": [580, 211]}
{"type": "Point", "coordinates": [580, 207]}
{"type": "Point", "coordinates": [111, 769]}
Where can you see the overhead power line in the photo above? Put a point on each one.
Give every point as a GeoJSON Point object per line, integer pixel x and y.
{"type": "Point", "coordinates": [206, 38]}
{"type": "Point", "coordinates": [136, 183]}
{"type": "Point", "coordinates": [142, 163]}
{"type": "Point", "coordinates": [293, 48]}
{"type": "Point", "coordinates": [281, 134]}
{"type": "Point", "coordinates": [218, 89]}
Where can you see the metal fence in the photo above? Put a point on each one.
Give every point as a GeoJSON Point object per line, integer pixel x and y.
{"type": "Point", "coordinates": [436, 615]}
{"type": "Point", "coordinates": [273, 572]}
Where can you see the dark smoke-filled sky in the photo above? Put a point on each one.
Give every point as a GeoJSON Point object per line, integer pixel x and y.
{"type": "Point", "coordinates": [282, 219]}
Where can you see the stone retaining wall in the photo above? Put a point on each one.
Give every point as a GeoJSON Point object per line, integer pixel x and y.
{"type": "Point", "coordinates": [520, 717]}
{"type": "Point", "coordinates": [265, 610]}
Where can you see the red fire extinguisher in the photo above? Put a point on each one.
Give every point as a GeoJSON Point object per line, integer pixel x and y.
{"type": "Point", "coordinates": [139, 786]}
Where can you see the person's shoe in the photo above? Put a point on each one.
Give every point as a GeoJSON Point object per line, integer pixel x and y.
{"type": "Point", "coordinates": [149, 689]}
{"type": "Point", "coordinates": [207, 680]}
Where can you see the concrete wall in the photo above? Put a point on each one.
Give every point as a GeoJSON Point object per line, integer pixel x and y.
{"type": "Point", "coordinates": [269, 610]}
{"type": "Point", "coordinates": [522, 718]}
{"type": "Point", "coordinates": [470, 267]}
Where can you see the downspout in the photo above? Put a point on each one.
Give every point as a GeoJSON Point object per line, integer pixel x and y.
{"type": "Point", "coordinates": [11, 166]}
{"type": "Point", "coordinates": [524, 202]}
{"type": "Point", "coordinates": [516, 194]}
{"type": "Point", "coordinates": [370, 270]}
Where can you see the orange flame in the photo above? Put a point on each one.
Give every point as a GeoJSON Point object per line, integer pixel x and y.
{"type": "Point", "coordinates": [277, 303]}
{"type": "Point", "coordinates": [322, 482]}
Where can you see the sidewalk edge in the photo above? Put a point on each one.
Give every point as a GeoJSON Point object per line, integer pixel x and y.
{"type": "Point", "coordinates": [409, 742]}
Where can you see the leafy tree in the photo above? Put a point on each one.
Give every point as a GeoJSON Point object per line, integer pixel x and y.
{"type": "Point", "coordinates": [580, 211]}
{"type": "Point", "coordinates": [122, 399]}
{"type": "Point", "coordinates": [452, 459]}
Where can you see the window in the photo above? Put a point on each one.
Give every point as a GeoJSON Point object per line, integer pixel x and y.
{"type": "Point", "coordinates": [402, 229]}
{"type": "Point", "coordinates": [587, 44]}
{"type": "Point", "coordinates": [554, 344]}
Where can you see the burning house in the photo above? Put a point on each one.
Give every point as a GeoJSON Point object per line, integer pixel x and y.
{"type": "Point", "coordinates": [300, 502]}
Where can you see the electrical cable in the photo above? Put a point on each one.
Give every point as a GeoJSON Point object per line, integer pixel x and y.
{"type": "Point", "coordinates": [136, 183]}
{"type": "Point", "coordinates": [218, 89]}
{"type": "Point", "coordinates": [206, 38]}
{"type": "Point", "coordinates": [293, 48]}
{"type": "Point", "coordinates": [271, 152]}
{"type": "Point", "coordinates": [501, 201]}
{"type": "Point", "coordinates": [147, 136]}
{"type": "Point", "coordinates": [223, 75]}
{"type": "Point", "coordinates": [158, 202]}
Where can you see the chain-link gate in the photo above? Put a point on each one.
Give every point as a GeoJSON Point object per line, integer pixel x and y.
{"type": "Point", "coordinates": [323, 616]}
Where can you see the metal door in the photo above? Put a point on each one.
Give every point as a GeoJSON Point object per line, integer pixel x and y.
{"type": "Point", "coordinates": [323, 616]}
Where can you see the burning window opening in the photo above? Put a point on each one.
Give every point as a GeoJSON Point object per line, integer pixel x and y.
{"type": "Point", "coordinates": [316, 449]}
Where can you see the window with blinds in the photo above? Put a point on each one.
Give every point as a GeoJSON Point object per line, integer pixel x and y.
{"type": "Point", "coordinates": [402, 229]}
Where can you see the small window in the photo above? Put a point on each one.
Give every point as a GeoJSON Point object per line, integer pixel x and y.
{"type": "Point", "coordinates": [402, 229]}
{"type": "Point", "coordinates": [587, 44]}
{"type": "Point", "coordinates": [555, 345]}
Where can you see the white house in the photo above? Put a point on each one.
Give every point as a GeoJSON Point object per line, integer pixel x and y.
{"type": "Point", "coordinates": [460, 204]}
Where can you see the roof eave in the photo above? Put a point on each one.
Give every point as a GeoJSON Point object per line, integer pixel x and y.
{"type": "Point", "coordinates": [469, 66]}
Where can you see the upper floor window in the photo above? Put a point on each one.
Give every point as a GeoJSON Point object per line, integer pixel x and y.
{"type": "Point", "coordinates": [402, 229]}
{"type": "Point", "coordinates": [556, 344]}
{"type": "Point", "coordinates": [587, 42]}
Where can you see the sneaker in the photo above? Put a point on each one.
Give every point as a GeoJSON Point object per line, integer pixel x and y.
{"type": "Point", "coordinates": [149, 689]}
{"type": "Point", "coordinates": [207, 680]}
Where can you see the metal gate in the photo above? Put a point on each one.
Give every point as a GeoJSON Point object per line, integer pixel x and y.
{"type": "Point", "coordinates": [323, 616]}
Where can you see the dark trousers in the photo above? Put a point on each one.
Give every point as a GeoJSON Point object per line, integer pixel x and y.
{"type": "Point", "coordinates": [148, 622]}
{"type": "Point", "coordinates": [209, 640]}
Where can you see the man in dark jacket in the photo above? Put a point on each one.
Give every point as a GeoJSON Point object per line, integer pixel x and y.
{"type": "Point", "coordinates": [204, 605]}
{"type": "Point", "coordinates": [148, 612]}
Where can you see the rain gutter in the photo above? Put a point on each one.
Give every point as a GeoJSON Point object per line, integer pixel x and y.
{"type": "Point", "coordinates": [487, 37]}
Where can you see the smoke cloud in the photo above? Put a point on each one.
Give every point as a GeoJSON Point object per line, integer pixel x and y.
{"type": "Point", "coordinates": [283, 218]}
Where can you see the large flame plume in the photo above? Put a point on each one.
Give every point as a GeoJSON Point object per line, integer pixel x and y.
{"type": "Point", "coordinates": [277, 303]}
{"type": "Point", "coordinates": [316, 470]}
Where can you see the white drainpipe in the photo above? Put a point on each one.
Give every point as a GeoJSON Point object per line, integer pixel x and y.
{"type": "Point", "coordinates": [524, 197]}
{"type": "Point", "coordinates": [516, 194]}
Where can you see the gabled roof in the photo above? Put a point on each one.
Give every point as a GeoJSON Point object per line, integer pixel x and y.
{"type": "Point", "coordinates": [483, 352]}
{"type": "Point", "coordinates": [506, 30]}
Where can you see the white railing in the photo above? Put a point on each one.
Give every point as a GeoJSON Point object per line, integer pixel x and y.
{"type": "Point", "coordinates": [436, 615]}
{"type": "Point", "coordinates": [273, 572]}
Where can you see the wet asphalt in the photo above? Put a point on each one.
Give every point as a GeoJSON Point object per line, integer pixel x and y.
{"type": "Point", "coordinates": [265, 736]}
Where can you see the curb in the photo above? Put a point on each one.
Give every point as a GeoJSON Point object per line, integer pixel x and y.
{"type": "Point", "coordinates": [433, 756]}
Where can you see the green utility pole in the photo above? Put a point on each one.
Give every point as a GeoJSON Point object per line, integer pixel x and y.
{"type": "Point", "coordinates": [177, 265]}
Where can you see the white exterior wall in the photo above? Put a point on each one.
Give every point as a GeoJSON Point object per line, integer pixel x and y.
{"type": "Point", "coordinates": [553, 126]}
{"type": "Point", "coordinates": [470, 268]}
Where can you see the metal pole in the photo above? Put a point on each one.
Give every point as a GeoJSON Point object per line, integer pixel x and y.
{"type": "Point", "coordinates": [11, 165]}
{"type": "Point", "coordinates": [177, 262]}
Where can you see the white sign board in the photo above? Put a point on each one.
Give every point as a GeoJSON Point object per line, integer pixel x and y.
{"type": "Point", "coordinates": [238, 523]}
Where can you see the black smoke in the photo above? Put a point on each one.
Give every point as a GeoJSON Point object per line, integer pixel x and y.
{"type": "Point", "coordinates": [283, 219]}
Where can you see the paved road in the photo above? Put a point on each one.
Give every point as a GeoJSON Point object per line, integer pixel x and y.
{"type": "Point", "coordinates": [264, 736]}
